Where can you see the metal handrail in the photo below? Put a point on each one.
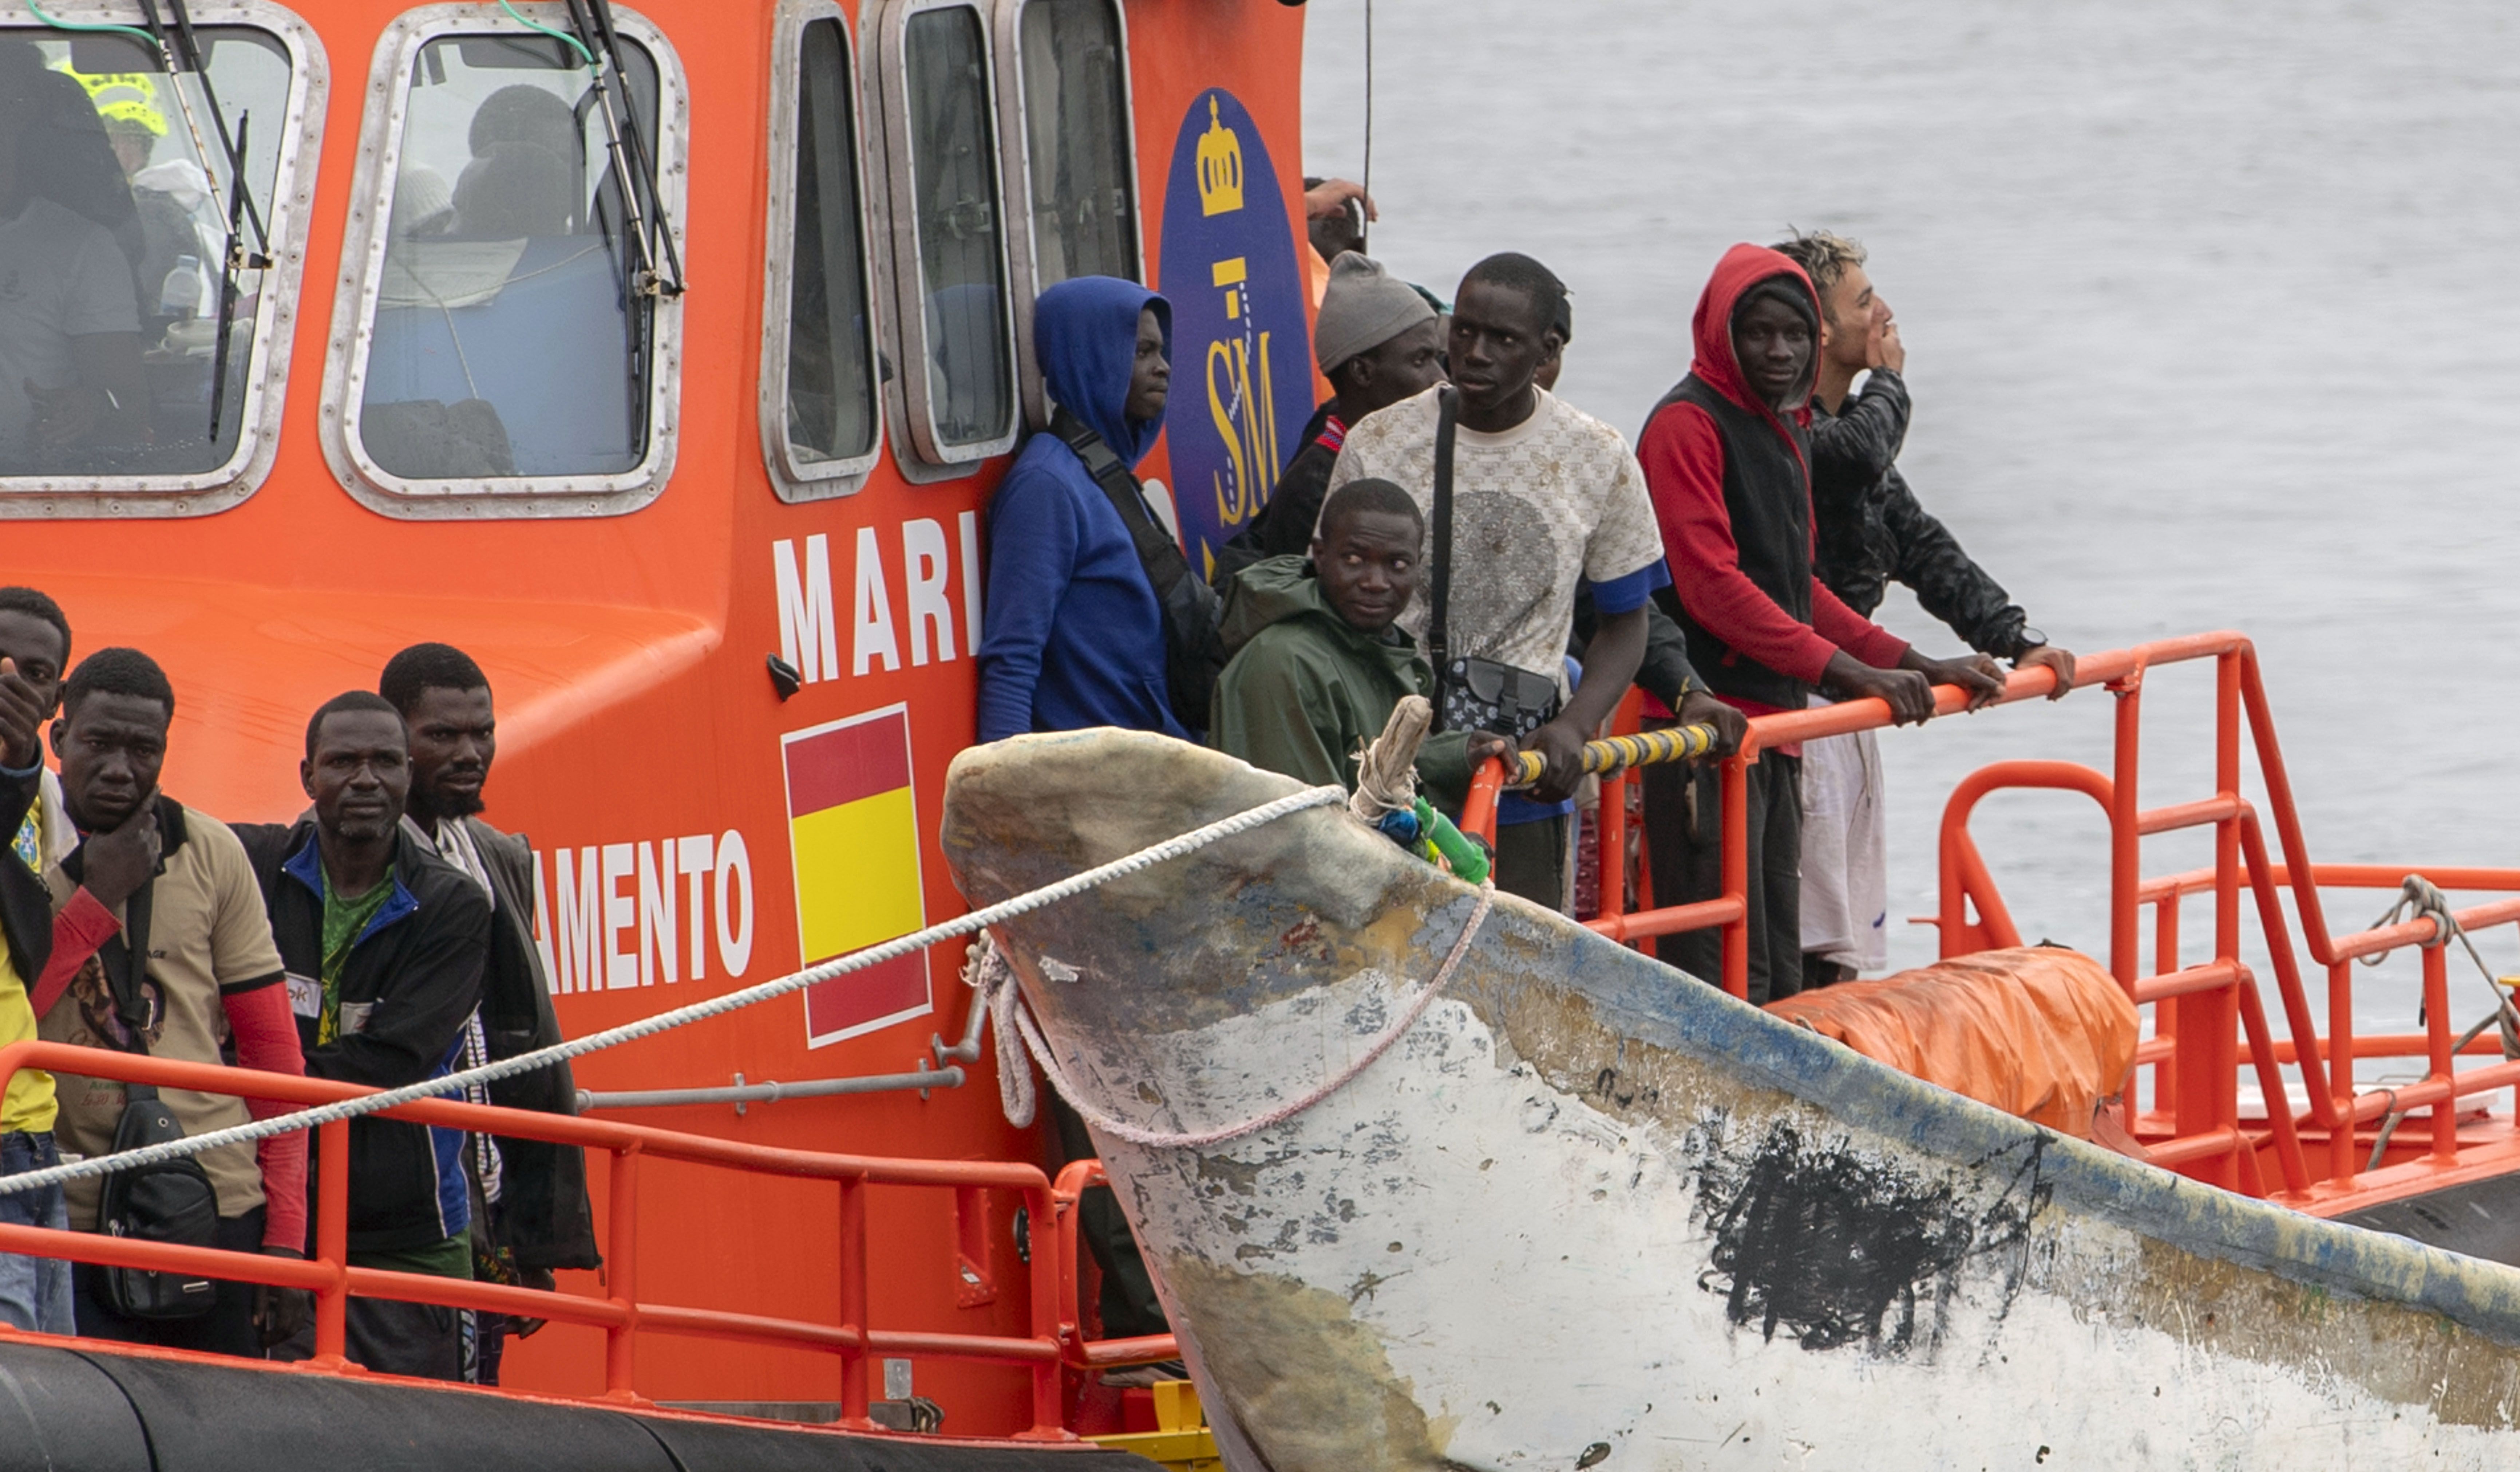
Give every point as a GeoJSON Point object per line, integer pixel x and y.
{"type": "Point", "coordinates": [2333, 1106]}
{"type": "Point", "coordinates": [1055, 1342]}
{"type": "Point", "coordinates": [770, 1090]}
{"type": "Point", "coordinates": [2211, 1018]}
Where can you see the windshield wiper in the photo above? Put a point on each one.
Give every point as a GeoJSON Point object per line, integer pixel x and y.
{"type": "Point", "coordinates": [180, 49]}
{"type": "Point", "coordinates": [656, 273]}
{"type": "Point", "coordinates": [240, 201]}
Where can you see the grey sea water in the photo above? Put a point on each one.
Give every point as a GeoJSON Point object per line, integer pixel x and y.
{"type": "Point", "coordinates": [2210, 324]}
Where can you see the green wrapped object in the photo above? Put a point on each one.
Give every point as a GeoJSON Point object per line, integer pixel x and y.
{"type": "Point", "coordinates": [1467, 859]}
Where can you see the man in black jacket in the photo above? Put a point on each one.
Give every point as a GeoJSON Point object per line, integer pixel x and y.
{"type": "Point", "coordinates": [385, 946]}
{"type": "Point", "coordinates": [1872, 532]}
{"type": "Point", "coordinates": [532, 1212]}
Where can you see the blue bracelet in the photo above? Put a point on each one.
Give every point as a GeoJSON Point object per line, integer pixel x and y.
{"type": "Point", "coordinates": [21, 773]}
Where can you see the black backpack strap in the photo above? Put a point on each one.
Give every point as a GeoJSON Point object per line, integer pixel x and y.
{"type": "Point", "coordinates": [1191, 609]}
{"type": "Point", "coordinates": [1439, 598]}
{"type": "Point", "coordinates": [123, 958]}
{"type": "Point", "coordinates": [1157, 552]}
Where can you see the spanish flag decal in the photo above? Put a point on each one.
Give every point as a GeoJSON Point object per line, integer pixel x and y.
{"type": "Point", "coordinates": [854, 830]}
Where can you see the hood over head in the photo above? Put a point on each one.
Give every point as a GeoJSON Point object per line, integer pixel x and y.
{"type": "Point", "coordinates": [1736, 277]}
{"type": "Point", "coordinates": [1085, 337]}
{"type": "Point", "coordinates": [1271, 591]}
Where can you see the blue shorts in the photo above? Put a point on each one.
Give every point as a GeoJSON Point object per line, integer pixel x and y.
{"type": "Point", "coordinates": [34, 1292]}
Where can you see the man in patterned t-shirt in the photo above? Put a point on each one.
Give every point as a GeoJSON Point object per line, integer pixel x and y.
{"type": "Point", "coordinates": [1545, 497]}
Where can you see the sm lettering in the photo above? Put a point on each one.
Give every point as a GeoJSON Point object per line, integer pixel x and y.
{"type": "Point", "coordinates": [621, 915]}
{"type": "Point", "coordinates": [918, 561]}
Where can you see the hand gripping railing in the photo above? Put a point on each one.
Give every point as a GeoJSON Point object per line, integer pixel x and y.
{"type": "Point", "coordinates": [1730, 909]}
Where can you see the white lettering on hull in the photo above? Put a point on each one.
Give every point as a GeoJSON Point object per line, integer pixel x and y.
{"type": "Point", "coordinates": [607, 919]}
{"type": "Point", "coordinates": [810, 623]}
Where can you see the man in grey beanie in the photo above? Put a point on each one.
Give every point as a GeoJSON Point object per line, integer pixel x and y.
{"type": "Point", "coordinates": [1377, 342]}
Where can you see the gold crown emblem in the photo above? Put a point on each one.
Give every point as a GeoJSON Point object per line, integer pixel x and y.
{"type": "Point", "coordinates": [1220, 166]}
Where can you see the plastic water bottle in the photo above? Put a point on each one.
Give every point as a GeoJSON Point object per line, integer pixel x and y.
{"type": "Point", "coordinates": [181, 295]}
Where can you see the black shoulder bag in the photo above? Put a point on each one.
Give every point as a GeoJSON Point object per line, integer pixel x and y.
{"type": "Point", "coordinates": [1472, 694]}
{"type": "Point", "coordinates": [174, 1200]}
{"type": "Point", "coordinates": [1193, 654]}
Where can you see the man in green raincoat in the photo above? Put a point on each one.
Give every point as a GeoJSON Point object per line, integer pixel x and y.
{"type": "Point", "coordinates": [1318, 660]}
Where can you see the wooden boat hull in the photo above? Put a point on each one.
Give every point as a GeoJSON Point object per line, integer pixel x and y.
{"type": "Point", "coordinates": [1592, 1213]}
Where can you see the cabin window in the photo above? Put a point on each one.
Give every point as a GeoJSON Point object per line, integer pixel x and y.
{"type": "Point", "coordinates": [1072, 155]}
{"type": "Point", "coordinates": [141, 357]}
{"type": "Point", "coordinates": [821, 350]}
{"type": "Point", "coordinates": [518, 284]}
{"type": "Point", "coordinates": [1076, 138]}
{"type": "Point", "coordinates": [949, 242]}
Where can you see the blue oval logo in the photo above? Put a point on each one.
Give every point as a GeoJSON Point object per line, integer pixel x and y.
{"type": "Point", "coordinates": [1243, 370]}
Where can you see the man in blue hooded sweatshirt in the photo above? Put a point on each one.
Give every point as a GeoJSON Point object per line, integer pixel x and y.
{"type": "Point", "coordinates": [1074, 635]}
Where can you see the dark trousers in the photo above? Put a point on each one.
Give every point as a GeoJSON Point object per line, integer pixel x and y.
{"type": "Point", "coordinates": [1531, 861]}
{"type": "Point", "coordinates": [424, 1341]}
{"type": "Point", "coordinates": [1130, 1308]}
{"type": "Point", "coordinates": [228, 1328]}
{"type": "Point", "coordinates": [1685, 829]}
{"type": "Point", "coordinates": [419, 1340]}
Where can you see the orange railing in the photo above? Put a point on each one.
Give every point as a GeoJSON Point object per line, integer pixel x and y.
{"type": "Point", "coordinates": [2209, 1018]}
{"type": "Point", "coordinates": [1056, 1340]}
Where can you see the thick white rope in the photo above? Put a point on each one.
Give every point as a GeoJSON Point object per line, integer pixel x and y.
{"type": "Point", "coordinates": [648, 1027]}
{"type": "Point", "coordinates": [1015, 1085]}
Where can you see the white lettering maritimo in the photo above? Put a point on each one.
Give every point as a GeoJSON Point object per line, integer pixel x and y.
{"type": "Point", "coordinates": [608, 917]}
{"type": "Point", "coordinates": [810, 626]}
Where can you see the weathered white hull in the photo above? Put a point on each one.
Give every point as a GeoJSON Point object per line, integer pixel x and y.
{"type": "Point", "coordinates": [1590, 1212]}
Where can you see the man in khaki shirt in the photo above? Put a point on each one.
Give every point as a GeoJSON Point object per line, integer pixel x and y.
{"type": "Point", "coordinates": [210, 974]}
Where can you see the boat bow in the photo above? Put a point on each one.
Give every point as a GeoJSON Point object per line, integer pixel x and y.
{"type": "Point", "coordinates": [1590, 1211]}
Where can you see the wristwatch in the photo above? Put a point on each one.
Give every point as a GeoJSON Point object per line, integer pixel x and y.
{"type": "Point", "coordinates": [2029, 640]}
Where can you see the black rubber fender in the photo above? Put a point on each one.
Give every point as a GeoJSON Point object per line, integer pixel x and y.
{"type": "Point", "coordinates": [720, 1447]}
{"type": "Point", "coordinates": [211, 1419]}
{"type": "Point", "coordinates": [60, 1414]}
{"type": "Point", "coordinates": [86, 1409]}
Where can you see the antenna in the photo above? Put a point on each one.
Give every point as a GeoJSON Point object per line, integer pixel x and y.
{"type": "Point", "coordinates": [1364, 212]}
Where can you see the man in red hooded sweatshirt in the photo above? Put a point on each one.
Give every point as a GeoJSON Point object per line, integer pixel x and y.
{"type": "Point", "coordinates": [1727, 463]}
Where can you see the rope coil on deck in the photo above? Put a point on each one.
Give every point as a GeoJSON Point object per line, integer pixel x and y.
{"type": "Point", "coordinates": [525, 1063]}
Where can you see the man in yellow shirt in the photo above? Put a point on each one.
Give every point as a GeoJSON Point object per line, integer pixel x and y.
{"type": "Point", "coordinates": [34, 645]}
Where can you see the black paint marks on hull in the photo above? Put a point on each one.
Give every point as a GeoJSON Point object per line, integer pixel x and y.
{"type": "Point", "coordinates": [1836, 1248]}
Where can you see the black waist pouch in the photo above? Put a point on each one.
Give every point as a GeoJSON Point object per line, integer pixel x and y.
{"type": "Point", "coordinates": [172, 1201]}
{"type": "Point", "coordinates": [1482, 695]}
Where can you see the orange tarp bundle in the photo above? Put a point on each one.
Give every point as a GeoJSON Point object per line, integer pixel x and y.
{"type": "Point", "coordinates": [2038, 1032]}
